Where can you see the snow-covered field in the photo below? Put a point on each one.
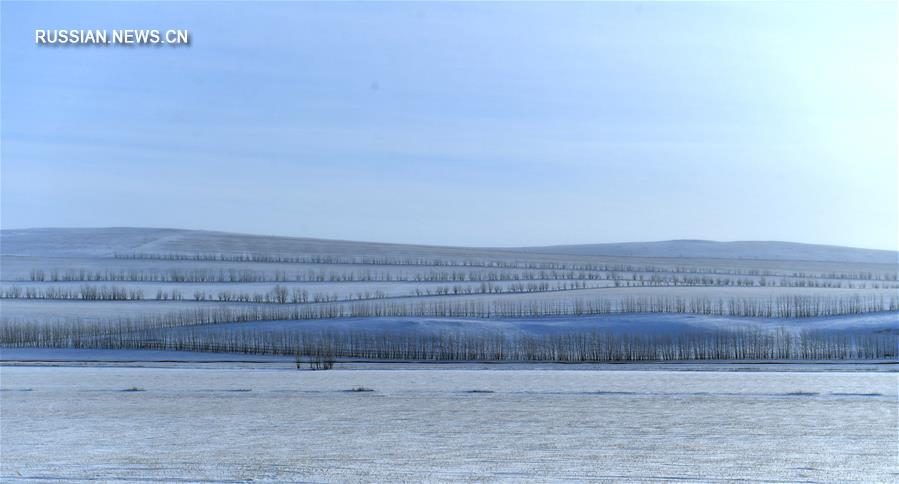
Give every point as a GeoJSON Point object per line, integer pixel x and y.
{"type": "Point", "coordinates": [51, 309]}
{"type": "Point", "coordinates": [210, 291]}
{"type": "Point", "coordinates": [138, 410]}
{"type": "Point", "coordinates": [669, 324]}
{"type": "Point", "coordinates": [192, 424]}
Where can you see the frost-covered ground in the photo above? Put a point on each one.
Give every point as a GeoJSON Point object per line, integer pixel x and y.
{"type": "Point", "coordinates": [191, 424]}
{"type": "Point", "coordinates": [108, 241]}
{"type": "Point", "coordinates": [49, 310]}
{"type": "Point", "coordinates": [639, 323]}
{"type": "Point", "coordinates": [220, 360]}
{"type": "Point", "coordinates": [49, 275]}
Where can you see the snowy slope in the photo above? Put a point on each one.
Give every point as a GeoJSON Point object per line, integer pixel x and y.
{"type": "Point", "coordinates": [726, 250]}
{"type": "Point", "coordinates": [106, 242]}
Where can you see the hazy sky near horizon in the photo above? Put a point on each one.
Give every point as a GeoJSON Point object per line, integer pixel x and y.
{"type": "Point", "coordinates": [460, 124]}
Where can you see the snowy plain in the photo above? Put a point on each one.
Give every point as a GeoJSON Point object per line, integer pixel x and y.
{"type": "Point", "coordinates": [233, 425]}
{"type": "Point", "coordinates": [75, 414]}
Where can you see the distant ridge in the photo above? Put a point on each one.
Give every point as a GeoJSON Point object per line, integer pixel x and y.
{"type": "Point", "coordinates": [61, 242]}
{"type": "Point", "coordinates": [771, 250]}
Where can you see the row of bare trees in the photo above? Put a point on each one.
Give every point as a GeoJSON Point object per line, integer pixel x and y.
{"type": "Point", "coordinates": [322, 347]}
{"type": "Point", "coordinates": [511, 263]}
{"type": "Point", "coordinates": [619, 279]}
{"type": "Point", "coordinates": [83, 292]}
{"type": "Point", "coordinates": [783, 306]}
{"type": "Point", "coordinates": [42, 332]}
{"type": "Point", "coordinates": [277, 295]}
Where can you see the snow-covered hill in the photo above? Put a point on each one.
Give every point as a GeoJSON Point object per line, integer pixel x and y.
{"type": "Point", "coordinates": [109, 241]}
{"type": "Point", "coordinates": [706, 249]}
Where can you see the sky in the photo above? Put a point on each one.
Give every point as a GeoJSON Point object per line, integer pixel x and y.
{"type": "Point", "coordinates": [501, 124]}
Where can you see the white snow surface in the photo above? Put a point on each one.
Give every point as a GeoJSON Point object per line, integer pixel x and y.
{"type": "Point", "coordinates": [726, 250]}
{"type": "Point", "coordinates": [188, 424]}
{"type": "Point", "coordinates": [637, 323]}
{"type": "Point", "coordinates": [107, 241]}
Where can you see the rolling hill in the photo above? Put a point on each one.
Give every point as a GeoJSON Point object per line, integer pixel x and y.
{"type": "Point", "coordinates": [109, 241]}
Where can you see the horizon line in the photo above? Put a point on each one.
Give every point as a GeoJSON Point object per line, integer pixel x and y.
{"type": "Point", "coordinates": [493, 247]}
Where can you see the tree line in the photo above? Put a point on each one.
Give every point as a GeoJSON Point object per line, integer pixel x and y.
{"type": "Point", "coordinates": [594, 346]}
{"type": "Point", "coordinates": [84, 293]}
{"type": "Point", "coordinates": [41, 332]}
{"type": "Point", "coordinates": [619, 279]}
{"type": "Point", "coordinates": [782, 306]}
{"type": "Point", "coordinates": [277, 295]}
{"type": "Point", "coordinates": [449, 261]}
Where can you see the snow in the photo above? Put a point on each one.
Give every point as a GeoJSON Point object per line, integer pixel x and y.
{"type": "Point", "coordinates": [73, 423]}
{"type": "Point", "coordinates": [58, 251]}
{"type": "Point", "coordinates": [69, 355]}
{"type": "Point", "coordinates": [52, 310]}
{"type": "Point", "coordinates": [190, 359]}
{"type": "Point", "coordinates": [727, 250]}
{"type": "Point", "coordinates": [640, 323]}
{"type": "Point", "coordinates": [108, 241]}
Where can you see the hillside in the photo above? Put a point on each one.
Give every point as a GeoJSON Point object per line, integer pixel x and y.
{"type": "Point", "coordinates": [214, 291]}
{"type": "Point", "coordinates": [109, 241]}
{"type": "Point", "coordinates": [709, 249]}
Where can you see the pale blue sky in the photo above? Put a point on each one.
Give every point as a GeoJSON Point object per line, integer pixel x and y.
{"type": "Point", "coordinates": [462, 124]}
